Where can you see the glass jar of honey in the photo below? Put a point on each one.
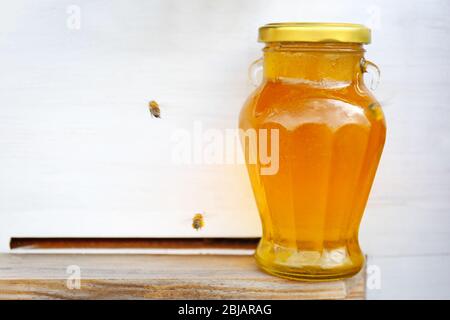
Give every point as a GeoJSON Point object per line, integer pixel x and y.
{"type": "Point", "coordinates": [326, 131]}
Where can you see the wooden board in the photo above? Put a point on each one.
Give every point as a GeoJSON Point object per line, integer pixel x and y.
{"type": "Point", "coordinates": [26, 276]}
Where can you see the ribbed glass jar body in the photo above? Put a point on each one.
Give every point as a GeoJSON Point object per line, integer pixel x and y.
{"type": "Point", "coordinates": [330, 135]}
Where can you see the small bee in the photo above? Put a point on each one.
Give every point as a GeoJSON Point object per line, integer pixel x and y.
{"type": "Point", "coordinates": [375, 110]}
{"type": "Point", "coordinates": [153, 107]}
{"type": "Point", "coordinates": [198, 221]}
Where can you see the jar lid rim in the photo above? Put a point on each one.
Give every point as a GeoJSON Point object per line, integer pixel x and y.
{"type": "Point", "coordinates": [314, 32]}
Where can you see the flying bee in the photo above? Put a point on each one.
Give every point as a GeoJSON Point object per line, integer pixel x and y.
{"type": "Point", "coordinates": [198, 221]}
{"type": "Point", "coordinates": [153, 107]}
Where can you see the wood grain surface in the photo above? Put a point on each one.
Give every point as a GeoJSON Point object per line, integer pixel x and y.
{"type": "Point", "coordinates": [24, 276]}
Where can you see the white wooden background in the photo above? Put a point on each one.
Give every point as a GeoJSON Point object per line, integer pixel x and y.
{"type": "Point", "coordinates": [80, 156]}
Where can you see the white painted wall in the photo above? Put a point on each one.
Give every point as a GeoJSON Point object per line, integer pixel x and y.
{"type": "Point", "coordinates": [80, 156]}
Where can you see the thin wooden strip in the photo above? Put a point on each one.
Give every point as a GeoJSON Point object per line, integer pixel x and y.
{"type": "Point", "coordinates": [133, 243]}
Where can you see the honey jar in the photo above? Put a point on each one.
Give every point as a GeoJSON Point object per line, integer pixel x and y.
{"type": "Point", "coordinates": [330, 133]}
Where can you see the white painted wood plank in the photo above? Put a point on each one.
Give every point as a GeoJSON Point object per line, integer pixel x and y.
{"type": "Point", "coordinates": [412, 277]}
{"type": "Point", "coordinates": [79, 151]}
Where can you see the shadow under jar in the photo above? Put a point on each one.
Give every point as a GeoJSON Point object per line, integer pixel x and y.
{"type": "Point", "coordinates": [330, 135]}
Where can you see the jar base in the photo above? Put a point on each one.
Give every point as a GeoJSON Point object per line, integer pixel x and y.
{"type": "Point", "coordinates": [308, 265]}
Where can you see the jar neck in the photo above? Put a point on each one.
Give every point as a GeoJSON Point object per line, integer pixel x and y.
{"type": "Point", "coordinates": [313, 62]}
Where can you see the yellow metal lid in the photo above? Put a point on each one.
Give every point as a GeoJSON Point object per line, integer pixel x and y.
{"type": "Point", "coordinates": [314, 32]}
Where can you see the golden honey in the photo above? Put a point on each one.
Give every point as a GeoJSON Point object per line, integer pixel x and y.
{"type": "Point", "coordinates": [331, 134]}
